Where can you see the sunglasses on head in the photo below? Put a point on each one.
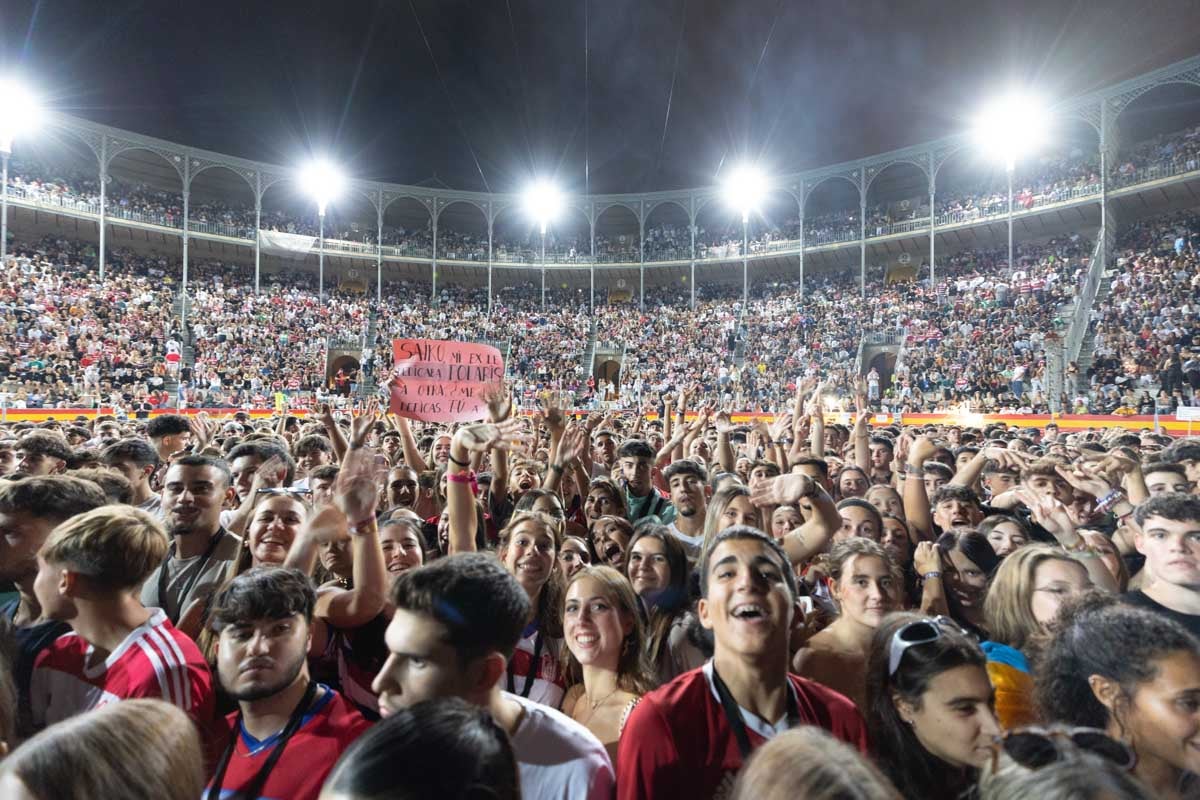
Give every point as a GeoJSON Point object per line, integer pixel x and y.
{"type": "Point", "coordinates": [922, 631]}
{"type": "Point", "coordinates": [1034, 748]}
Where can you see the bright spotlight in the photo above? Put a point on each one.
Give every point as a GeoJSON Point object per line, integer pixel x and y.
{"type": "Point", "coordinates": [543, 202]}
{"type": "Point", "coordinates": [322, 181]}
{"type": "Point", "coordinates": [745, 188]}
{"type": "Point", "coordinates": [20, 111]}
{"type": "Point", "coordinates": [1011, 126]}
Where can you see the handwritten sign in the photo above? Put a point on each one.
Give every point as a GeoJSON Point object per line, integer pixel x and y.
{"type": "Point", "coordinates": [443, 381]}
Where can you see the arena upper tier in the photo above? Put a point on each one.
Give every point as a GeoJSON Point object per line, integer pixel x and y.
{"type": "Point", "coordinates": [231, 239]}
{"type": "Point", "coordinates": [895, 209]}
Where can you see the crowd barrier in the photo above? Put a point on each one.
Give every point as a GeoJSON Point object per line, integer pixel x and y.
{"type": "Point", "coordinates": [1164, 423]}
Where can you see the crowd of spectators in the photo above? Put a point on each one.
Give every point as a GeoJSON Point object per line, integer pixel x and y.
{"type": "Point", "coordinates": [248, 345]}
{"type": "Point", "coordinates": [69, 339]}
{"type": "Point", "coordinates": [1051, 177]}
{"type": "Point", "coordinates": [1144, 324]}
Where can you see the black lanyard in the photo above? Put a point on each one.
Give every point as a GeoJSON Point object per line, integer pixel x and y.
{"type": "Point", "coordinates": [734, 714]}
{"type": "Point", "coordinates": [537, 657]}
{"type": "Point", "coordinates": [254, 787]}
{"type": "Point", "coordinates": [191, 584]}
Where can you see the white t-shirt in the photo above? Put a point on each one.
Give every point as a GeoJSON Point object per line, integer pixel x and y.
{"type": "Point", "coordinates": [558, 758]}
{"type": "Point", "coordinates": [690, 543]}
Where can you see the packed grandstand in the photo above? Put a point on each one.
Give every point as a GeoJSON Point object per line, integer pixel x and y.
{"type": "Point", "coordinates": [246, 337]}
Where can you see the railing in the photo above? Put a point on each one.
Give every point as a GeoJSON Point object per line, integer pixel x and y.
{"type": "Point", "coordinates": [1083, 307]}
{"type": "Point", "coordinates": [343, 343]}
{"type": "Point", "coordinates": [344, 246]}
{"type": "Point", "coordinates": [621, 257]}
{"type": "Point", "coordinates": [816, 238]}
{"type": "Point", "coordinates": [890, 338]}
{"type": "Point", "coordinates": [408, 250]}
{"type": "Point", "coordinates": [116, 210]}
{"type": "Point", "coordinates": [1155, 172]}
{"type": "Point", "coordinates": [990, 208]}
{"type": "Point", "coordinates": [221, 229]}
{"type": "Point", "coordinates": [28, 194]}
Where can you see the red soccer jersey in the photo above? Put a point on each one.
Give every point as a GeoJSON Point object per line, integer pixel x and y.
{"type": "Point", "coordinates": [309, 756]}
{"type": "Point", "coordinates": [678, 742]}
{"type": "Point", "coordinates": [155, 660]}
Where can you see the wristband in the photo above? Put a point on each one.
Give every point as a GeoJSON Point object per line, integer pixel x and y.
{"type": "Point", "coordinates": [916, 472]}
{"type": "Point", "coordinates": [1109, 500]}
{"type": "Point", "coordinates": [458, 477]}
{"type": "Point", "coordinates": [931, 574]}
{"type": "Point", "coordinates": [453, 460]}
{"type": "Point", "coordinates": [364, 525]}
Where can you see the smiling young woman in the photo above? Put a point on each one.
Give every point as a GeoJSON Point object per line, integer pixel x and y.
{"type": "Point", "coordinates": [529, 546]}
{"type": "Point", "coordinates": [605, 660]}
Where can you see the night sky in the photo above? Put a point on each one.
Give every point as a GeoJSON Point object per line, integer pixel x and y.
{"type": "Point", "coordinates": [483, 95]}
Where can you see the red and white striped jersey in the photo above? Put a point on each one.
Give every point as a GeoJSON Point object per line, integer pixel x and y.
{"type": "Point", "coordinates": [155, 660]}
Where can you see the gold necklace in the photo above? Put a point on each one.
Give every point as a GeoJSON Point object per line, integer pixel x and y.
{"type": "Point", "coordinates": [598, 703]}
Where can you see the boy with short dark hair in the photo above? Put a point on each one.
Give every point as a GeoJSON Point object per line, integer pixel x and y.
{"type": "Point", "coordinates": [263, 621]}
{"type": "Point", "coordinates": [689, 737]}
{"type": "Point", "coordinates": [460, 619]}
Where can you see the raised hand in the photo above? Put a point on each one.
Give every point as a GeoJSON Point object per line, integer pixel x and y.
{"type": "Point", "coordinates": [356, 489]}
{"type": "Point", "coordinates": [1094, 485]}
{"type": "Point", "coordinates": [1049, 513]}
{"type": "Point", "coordinates": [574, 444]}
{"type": "Point", "coordinates": [921, 450]}
{"type": "Point", "coordinates": [507, 435]}
{"type": "Point", "coordinates": [553, 411]}
{"type": "Point", "coordinates": [361, 425]}
{"type": "Point", "coordinates": [927, 558]}
{"type": "Point", "coordinates": [782, 490]}
{"type": "Point", "coordinates": [203, 430]}
{"type": "Point", "coordinates": [499, 402]}
{"type": "Point", "coordinates": [269, 475]}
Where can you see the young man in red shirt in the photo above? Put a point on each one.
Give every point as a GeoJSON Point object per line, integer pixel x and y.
{"type": "Point", "coordinates": [289, 730]}
{"type": "Point", "coordinates": [690, 737]}
{"type": "Point", "coordinates": [89, 573]}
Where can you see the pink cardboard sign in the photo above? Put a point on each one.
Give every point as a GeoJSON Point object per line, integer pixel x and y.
{"type": "Point", "coordinates": [443, 381]}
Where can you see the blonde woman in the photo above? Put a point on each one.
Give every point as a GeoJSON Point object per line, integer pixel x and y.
{"type": "Point", "coordinates": [1023, 599]}
{"type": "Point", "coordinates": [94, 755]}
{"type": "Point", "coordinates": [806, 763]}
{"type": "Point", "coordinates": [605, 659]}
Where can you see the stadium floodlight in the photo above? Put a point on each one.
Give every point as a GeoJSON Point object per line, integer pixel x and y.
{"type": "Point", "coordinates": [19, 114]}
{"type": "Point", "coordinates": [543, 202]}
{"type": "Point", "coordinates": [745, 189]}
{"type": "Point", "coordinates": [20, 111]}
{"type": "Point", "coordinates": [322, 181]}
{"type": "Point", "coordinates": [1012, 125]}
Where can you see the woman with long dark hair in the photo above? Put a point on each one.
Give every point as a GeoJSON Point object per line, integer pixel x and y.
{"type": "Point", "coordinates": [605, 659]}
{"type": "Point", "coordinates": [929, 706]}
{"type": "Point", "coordinates": [657, 567]}
{"type": "Point", "coordinates": [967, 563]}
{"type": "Point", "coordinates": [1130, 672]}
